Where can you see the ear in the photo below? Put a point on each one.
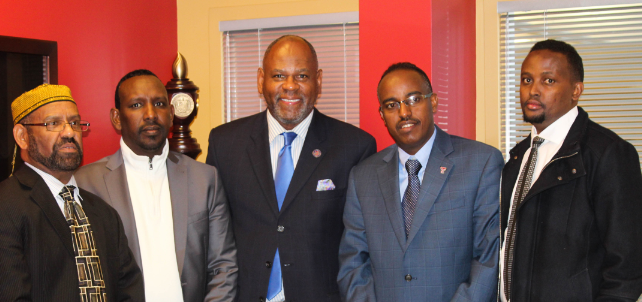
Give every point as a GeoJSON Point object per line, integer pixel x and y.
{"type": "Point", "coordinates": [434, 101]}
{"type": "Point", "coordinates": [114, 116]}
{"type": "Point", "coordinates": [381, 115]}
{"type": "Point", "coordinates": [578, 88]}
{"type": "Point", "coordinates": [319, 81]}
{"type": "Point", "coordinates": [260, 77]}
{"type": "Point", "coordinates": [21, 136]}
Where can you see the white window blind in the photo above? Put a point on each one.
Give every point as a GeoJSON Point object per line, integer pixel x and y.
{"type": "Point", "coordinates": [609, 40]}
{"type": "Point", "coordinates": [337, 47]}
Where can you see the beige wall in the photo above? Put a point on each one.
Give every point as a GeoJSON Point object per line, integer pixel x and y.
{"type": "Point", "coordinates": [488, 113]}
{"type": "Point", "coordinates": [200, 41]}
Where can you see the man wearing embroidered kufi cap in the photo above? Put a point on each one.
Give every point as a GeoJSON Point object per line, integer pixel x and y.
{"type": "Point", "coordinates": [58, 242]}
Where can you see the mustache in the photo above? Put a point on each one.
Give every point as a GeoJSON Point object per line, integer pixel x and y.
{"type": "Point", "coordinates": [150, 125]}
{"type": "Point", "coordinates": [66, 140]}
{"type": "Point", "coordinates": [407, 119]}
{"type": "Point", "coordinates": [290, 96]}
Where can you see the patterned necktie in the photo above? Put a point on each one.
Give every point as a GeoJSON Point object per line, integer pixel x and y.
{"type": "Point", "coordinates": [284, 171]}
{"type": "Point", "coordinates": [411, 195]}
{"type": "Point", "coordinates": [523, 186]}
{"type": "Point", "coordinates": [90, 275]}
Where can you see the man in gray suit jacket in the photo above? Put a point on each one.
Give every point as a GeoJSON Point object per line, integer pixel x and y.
{"type": "Point", "coordinates": [421, 216]}
{"type": "Point", "coordinates": [173, 208]}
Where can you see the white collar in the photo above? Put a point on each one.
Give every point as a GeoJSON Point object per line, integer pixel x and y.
{"type": "Point", "coordinates": [275, 129]}
{"type": "Point", "coordinates": [557, 131]}
{"type": "Point", "coordinates": [142, 162]}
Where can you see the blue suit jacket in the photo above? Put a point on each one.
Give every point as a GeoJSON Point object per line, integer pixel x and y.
{"type": "Point", "coordinates": [451, 253]}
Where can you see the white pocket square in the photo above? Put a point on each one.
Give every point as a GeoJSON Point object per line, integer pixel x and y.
{"type": "Point", "coordinates": [325, 185]}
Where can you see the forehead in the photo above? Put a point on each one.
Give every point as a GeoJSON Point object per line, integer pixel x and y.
{"type": "Point", "coordinates": [56, 109]}
{"type": "Point", "coordinates": [290, 52]}
{"type": "Point", "coordinates": [401, 82]}
{"type": "Point", "coordinates": [546, 61]}
{"type": "Point", "coordinates": [142, 85]}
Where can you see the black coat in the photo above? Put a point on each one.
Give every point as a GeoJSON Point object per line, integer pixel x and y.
{"type": "Point", "coordinates": [312, 221]}
{"type": "Point", "coordinates": [36, 254]}
{"type": "Point", "coordinates": [579, 228]}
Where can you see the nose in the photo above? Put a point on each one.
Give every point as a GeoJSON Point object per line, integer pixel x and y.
{"type": "Point", "coordinates": [67, 131]}
{"type": "Point", "coordinates": [534, 89]}
{"type": "Point", "coordinates": [290, 84]}
{"type": "Point", "coordinates": [150, 112]}
{"type": "Point", "coordinates": [404, 111]}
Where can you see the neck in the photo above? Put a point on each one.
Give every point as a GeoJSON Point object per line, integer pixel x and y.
{"type": "Point", "coordinates": [63, 176]}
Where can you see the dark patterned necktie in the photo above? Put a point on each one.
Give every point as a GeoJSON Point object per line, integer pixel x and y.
{"type": "Point", "coordinates": [523, 186]}
{"type": "Point", "coordinates": [90, 275]}
{"type": "Point", "coordinates": [411, 195]}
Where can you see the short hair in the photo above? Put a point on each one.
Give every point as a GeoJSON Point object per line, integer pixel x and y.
{"type": "Point", "coordinates": [406, 66]}
{"type": "Point", "coordinates": [572, 57]}
{"type": "Point", "coordinates": [135, 73]}
{"type": "Point", "coordinates": [314, 52]}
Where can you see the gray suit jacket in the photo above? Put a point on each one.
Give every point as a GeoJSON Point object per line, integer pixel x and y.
{"type": "Point", "coordinates": [205, 248]}
{"type": "Point", "coordinates": [451, 253]}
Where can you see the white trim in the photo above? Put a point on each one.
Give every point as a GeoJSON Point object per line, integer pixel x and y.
{"type": "Point", "coordinates": [528, 5]}
{"type": "Point", "coordinates": [303, 20]}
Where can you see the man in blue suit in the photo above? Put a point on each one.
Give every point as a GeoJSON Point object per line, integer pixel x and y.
{"type": "Point", "coordinates": [421, 216]}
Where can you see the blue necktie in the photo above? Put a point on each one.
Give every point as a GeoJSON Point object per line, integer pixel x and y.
{"type": "Point", "coordinates": [284, 171]}
{"type": "Point", "coordinates": [409, 202]}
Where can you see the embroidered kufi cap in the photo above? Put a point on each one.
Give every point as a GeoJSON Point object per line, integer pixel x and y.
{"type": "Point", "coordinates": [33, 99]}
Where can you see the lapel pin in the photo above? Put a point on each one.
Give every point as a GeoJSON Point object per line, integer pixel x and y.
{"type": "Point", "coordinates": [316, 153]}
{"type": "Point", "coordinates": [443, 170]}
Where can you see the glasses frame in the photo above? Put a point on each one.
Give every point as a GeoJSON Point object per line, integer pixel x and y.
{"type": "Point", "coordinates": [407, 101]}
{"type": "Point", "coordinates": [64, 125]}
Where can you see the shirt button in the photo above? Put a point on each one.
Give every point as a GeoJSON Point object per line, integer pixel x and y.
{"type": "Point", "coordinates": [408, 278]}
{"type": "Point", "coordinates": [268, 264]}
{"type": "Point", "coordinates": [280, 229]}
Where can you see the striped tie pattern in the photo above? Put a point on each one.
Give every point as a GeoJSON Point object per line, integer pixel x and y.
{"type": "Point", "coordinates": [411, 195]}
{"type": "Point", "coordinates": [523, 186]}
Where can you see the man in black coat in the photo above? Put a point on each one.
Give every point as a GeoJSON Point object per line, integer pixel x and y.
{"type": "Point", "coordinates": [58, 242]}
{"type": "Point", "coordinates": [288, 233]}
{"type": "Point", "coordinates": [575, 233]}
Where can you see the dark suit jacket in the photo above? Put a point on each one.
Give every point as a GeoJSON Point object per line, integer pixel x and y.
{"type": "Point", "coordinates": [579, 228]}
{"type": "Point", "coordinates": [36, 254]}
{"type": "Point", "coordinates": [452, 248]}
{"type": "Point", "coordinates": [309, 240]}
{"type": "Point", "coordinates": [205, 251]}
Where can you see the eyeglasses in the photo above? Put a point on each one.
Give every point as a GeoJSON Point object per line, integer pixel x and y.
{"type": "Point", "coordinates": [411, 101]}
{"type": "Point", "coordinates": [59, 126]}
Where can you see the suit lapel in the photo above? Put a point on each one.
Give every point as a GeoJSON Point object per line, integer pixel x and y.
{"type": "Point", "coordinates": [259, 154]}
{"type": "Point", "coordinates": [178, 188]}
{"type": "Point", "coordinates": [41, 194]}
{"type": "Point", "coordinates": [118, 190]}
{"type": "Point", "coordinates": [433, 180]}
{"type": "Point", "coordinates": [388, 175]}
{"type": "Point", "coordinates": [307, 163]}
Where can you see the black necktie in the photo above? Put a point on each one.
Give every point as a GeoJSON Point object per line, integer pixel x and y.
{"type": "Point", "coordinates": [90, 275]}
{"type": "Point", "coordinates": [409, 202]}
{"type": "Point", "coordinates": [523, 186]}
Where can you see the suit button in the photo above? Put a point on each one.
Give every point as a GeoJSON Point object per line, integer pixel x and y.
{"type": "Point", "coordinates": [559, 178]}
{"type": "Point", "coordinates": [573, 171]}
{"type": "Point", "coordinates": [280, 229]}
{"type": "Point", "coordinates": [261, 299]}
{"type": "Point", "coordinates": [268, 264]}
{"type": "Point", "coordinates": [408, 278]}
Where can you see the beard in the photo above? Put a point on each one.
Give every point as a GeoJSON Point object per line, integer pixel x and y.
{"type": "Point", "coordinates": [300, 114]}
{"type": "Point", "coordinates": [538, 119]}
{"type": "Point", "coordinates": [154, 142]}
{"type": "Point", "coordinates": [56, 161]}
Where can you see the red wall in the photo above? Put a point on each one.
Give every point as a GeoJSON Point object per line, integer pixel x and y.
{"type": "Point", "coordinates": [389, 32]}
{"type": "Point", "coordinates": [436, 35]}
{"type": "Point", "coordinates": [98, 43]}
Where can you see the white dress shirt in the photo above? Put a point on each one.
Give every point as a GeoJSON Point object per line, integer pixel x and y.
{"type": "Point", "coordinates": [55, 186]}
{"type": "Point", "coordinates": [151, 202]}
{"type": "Point", "coordinates": [553, 136]}
{"type": "Point", "coordinates": [276, 144]}
{"type": "Point", "coordinates": [422, 156]}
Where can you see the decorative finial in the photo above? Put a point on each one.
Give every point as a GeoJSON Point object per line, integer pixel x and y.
{"type": "Point", "coordinates": [179, 69]}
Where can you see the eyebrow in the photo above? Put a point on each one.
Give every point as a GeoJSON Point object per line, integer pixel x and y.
{"type": "Point", "coordinates": [58, 117]}
{"type": "Point", "coordinates": [283, 70]}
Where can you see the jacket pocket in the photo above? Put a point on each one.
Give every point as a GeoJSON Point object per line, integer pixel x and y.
{"type": "Point", "coordinates": [197, 217]}
{"type": "Point", "coordinates": [581, 286]}
{"type": "Point", "coordinates": [331, 194]}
